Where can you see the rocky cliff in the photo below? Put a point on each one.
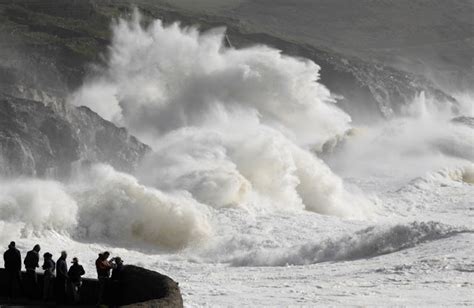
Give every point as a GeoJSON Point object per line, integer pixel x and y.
{"type": "Point", "coordinates": [38, 140]}
{"type": "Point", "coordinates": [60, 41]}
{"type": "Point", "coordinates": [47, 48]}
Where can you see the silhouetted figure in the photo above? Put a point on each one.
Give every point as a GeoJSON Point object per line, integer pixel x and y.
{"type": "Point", "coordinates": [31, 263]}
{"type": "Point", "coordinates": [116, 281]}
{"type": "Point", "coordinates": [75, 277]}
{"type": "Point", "coordinates": [49, 266]}
{"type": "Point", "coordinates": [117, 268]}
{"type": "Point", "coordinates": [103, 267]}
{"type": "Point", "coordinates": [60, 285]}
{"type": "Point", "coordinates": [12, 261]}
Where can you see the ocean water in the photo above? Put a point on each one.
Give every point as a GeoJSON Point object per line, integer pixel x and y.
{"type": "Point", "coordinates": [241, 201]}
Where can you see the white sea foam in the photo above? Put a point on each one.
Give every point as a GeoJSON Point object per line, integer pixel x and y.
{"type": "Point", "coordinates": [232, 173]}
{"type": "Point", "coordinates": [423, 140]}
{"type": "Point", "coordinates": [114, 206]}
{"type": "Point", "coordinates": [102, 205]}
{"type": "Point", "coordinates": [230, 126]}
{"type": "Point", "coordinates": [367, 243]}
{"type": "Point", "coordinates": [30, 205]}
{"type": "Point", "coordinates": [444, 177]}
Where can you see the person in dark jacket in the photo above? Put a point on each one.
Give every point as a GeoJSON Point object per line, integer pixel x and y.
{"type": "Point", "coordinates": [49, 266]}
{"type": "Point", "coordinates": [12, 260]}
{"type": "Point", "coordinates": [75, 278]}
{"type": "Point", "coordinates": [61, 278]}
{"type": "Point", "coordinates": [103, 267]}
{"type": "Point", "coordinates": [117, 282]}
{"type": "Point", "coordinates": [31, 263]}
{"type": "Point", "coordinates": [117, 268]}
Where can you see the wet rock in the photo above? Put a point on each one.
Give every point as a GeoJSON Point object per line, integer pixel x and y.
{"type": "Point", "coordinates": [468, 121]}
{"type": "Point", "coordinates": [138, 287]}
{"type": "Point", "coordinates": [36, 140]}
{"type": "Point", "coordinates": [145, 288]}
{"type": "Point", "coordinates": [48, 50]}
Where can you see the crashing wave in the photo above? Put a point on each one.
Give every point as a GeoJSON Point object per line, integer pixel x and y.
{"type": "Point", "coordinates": [367, 243]}
{"type": "Point", "coordinates": [232, 127]}
{"type": "Point", "coordinates": [443, 177]}
{"type": "Point", "coordinates": [423, 140]}
{"type": "Point", "coordinates": [103, 205]}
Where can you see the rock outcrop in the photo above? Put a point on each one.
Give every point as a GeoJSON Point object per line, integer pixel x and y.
{"type": "Point", "coordinates": [37, 140]}
{"type": "Point", "coordinates": [48, 49]}
{"type": "Point", "coordinates": [145, 288]}
{"type": "Point", "coordinates": [137, 287]}
{"type": "Point", "coordinates": [468, 121]}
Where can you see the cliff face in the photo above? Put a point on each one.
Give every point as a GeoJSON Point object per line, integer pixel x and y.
{"type": "Point", "coordinates": [60, 41]}
{"type": "Point", "coordinates": [46, 46]}
{"type": "Point", "coordinates": [46, 51]}
{"type": "Point", "coordinates": [366, 89]}
{"type": "Point", "coordinates": [37, 140]}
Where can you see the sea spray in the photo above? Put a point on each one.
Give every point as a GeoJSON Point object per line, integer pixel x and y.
{"type": "Point", "coordinates": [114, 207]}
{"type": "Point", "coordinates": [232, 127]}
{"type": "Point", "coordinates": [33, 205]}
{"type": "Point", "coordinates": [424, 139]}
{"type": "Point", "coordinates": [102, 205]}
{"type": "Point", "coordinates": [367, 243]}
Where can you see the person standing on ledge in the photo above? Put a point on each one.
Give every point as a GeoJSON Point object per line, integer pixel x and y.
{"type": "Point", "coordinates": [75, 277]}
{"type": "Point", "coordinates": [103, 267]}
{"type": "Point", "coordinates": [31, 263]}
{"type": "Point", "coordinates": [117, 284]}
{"type": "Point", "coordinates": [49, 267]}
{"type": "Point", "coordinates": [61, 278]}
{"type": "Point", "coordinates": [117, 269]}
{"type": "Point", "coordinates": [12, 260]}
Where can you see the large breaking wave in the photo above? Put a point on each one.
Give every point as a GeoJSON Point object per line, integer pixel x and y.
{"type": "Point", "coordinates": [231, 127]}
{"type": "Point", "coordinates": [228, 127]}
{"type": "Point", "coordinates": [103, 205]}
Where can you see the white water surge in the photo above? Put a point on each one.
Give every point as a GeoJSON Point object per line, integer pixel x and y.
{"type": "Point", "coordinates": [233, 128]}
{"type": "Point", "coordinates": [103, 205]}
{"type": "Point", "coordinates": [234, 203]}
{"type": "Point", "coordinates": [228, 128]}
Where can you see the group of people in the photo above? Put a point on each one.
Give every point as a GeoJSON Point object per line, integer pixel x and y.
{"type": "Point", "coordinates": [60, 282]}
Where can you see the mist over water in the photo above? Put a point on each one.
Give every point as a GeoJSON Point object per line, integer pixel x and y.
{"type": "Point", "coordinates": [232, 131]}
{"type": "Point", "coordinates": [32, 205]}
{"type": "Point", "coordinates": [103, 205]}
{"type": "Point", "coordinates": [234, 128]}
{"type": "Point", "coordinates": [423, 139]}
{"type": "Point", "coordinates": [163, 78]}
{"type": "Point", "coordinates": [229, 129]}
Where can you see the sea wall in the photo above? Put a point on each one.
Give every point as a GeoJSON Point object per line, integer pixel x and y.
{"type": "Point", "coordinates": [138, 287]}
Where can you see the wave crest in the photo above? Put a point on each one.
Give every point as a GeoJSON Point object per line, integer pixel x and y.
{"type": "Point", "coordinates": [232, 127]}
{"type": "Point", "coordinates": [103, 205]}
{"type": "Point", "coordinates": [367, 243]}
